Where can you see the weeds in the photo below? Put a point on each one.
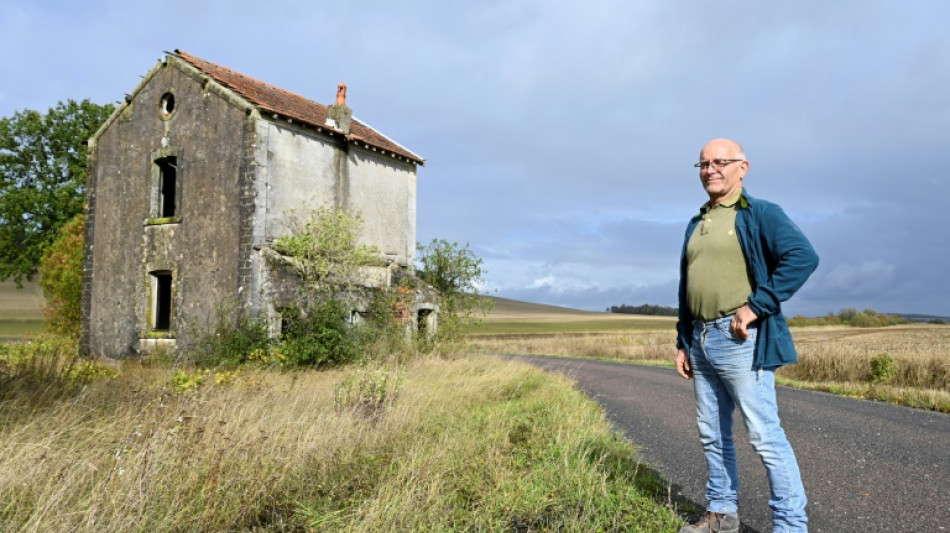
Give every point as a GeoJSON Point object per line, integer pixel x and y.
{"type": "Point", "coordinates": [46, 368]}
{"type": "Point", "coordinates": [231, 340]}
{"type": "Point", "coordinates": [185, 382]}
{"type": "Point", "coordinates": [465, 445]}
{"type": "Point", "coordinates": [368, 392]}
{"type": "Point", "coordinates": [318, 337]}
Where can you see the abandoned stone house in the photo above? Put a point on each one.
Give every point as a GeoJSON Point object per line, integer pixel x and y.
{"type": "Point", "coordinates": [188, 184]}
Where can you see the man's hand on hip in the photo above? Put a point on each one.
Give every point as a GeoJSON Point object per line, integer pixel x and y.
{"type": "Point", "coordinates": [743, 318]}
{"type": "Point", "coordinates": [682, 364]}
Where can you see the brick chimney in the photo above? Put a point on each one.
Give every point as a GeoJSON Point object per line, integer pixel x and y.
{"type": "Point", "coordinates": [338, 115]}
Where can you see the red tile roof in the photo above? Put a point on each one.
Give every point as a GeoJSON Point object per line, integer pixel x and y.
{"type": "Point", "coordinates": [268, 98]}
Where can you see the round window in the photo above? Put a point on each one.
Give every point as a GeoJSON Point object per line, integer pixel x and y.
{"type": "Point", "coordinates": [168, 104]}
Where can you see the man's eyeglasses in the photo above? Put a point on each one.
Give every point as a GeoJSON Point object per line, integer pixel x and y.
{"type": "Point", "coordinates": [716, 163]}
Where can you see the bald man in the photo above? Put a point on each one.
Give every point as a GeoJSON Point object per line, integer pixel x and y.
{"type": "Point", "coordinates": [741, 258]}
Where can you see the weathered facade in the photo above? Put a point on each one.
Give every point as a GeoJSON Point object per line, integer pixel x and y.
{"type": "Point", "coordinates": [189, 181]}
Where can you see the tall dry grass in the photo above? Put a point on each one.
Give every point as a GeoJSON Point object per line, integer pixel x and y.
{"type": "Point", "coordinates": [648, 345]}
{"type": "Point", "coordinates": [131, 455]}
{"type": "Point", "coordinates": [921, 354]}
{"type": "Point", "coordinates": [467, 445]}
{"type": "Point", "coordinates": [915, 359]}
{"type": "Point", "coordinates": [902, 365]}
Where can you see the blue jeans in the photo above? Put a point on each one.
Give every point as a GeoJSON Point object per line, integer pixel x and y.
{"type": "Point", "coordinates": [723, 379]}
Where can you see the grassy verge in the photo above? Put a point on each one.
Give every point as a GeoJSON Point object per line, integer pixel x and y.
{"type": "Point", "coordinates": [473, 444]}
{"type": "Point", "coordinates": [919, 398]}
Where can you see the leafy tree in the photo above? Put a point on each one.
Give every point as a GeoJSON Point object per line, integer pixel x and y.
{"type": "Point", "coordinates": [323, 248]}
{"type": "Point", "coordinates": [61, 277]}
{"type": "Point", "coordinates": [847, 314]}
{"type": "Point", "coordinates": [456, 273]}
{"type": "Point", "coordinates": [42, 179]}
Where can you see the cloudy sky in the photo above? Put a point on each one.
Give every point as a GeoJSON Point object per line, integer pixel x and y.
{"type": "Point", "coordinates": [560, 135]}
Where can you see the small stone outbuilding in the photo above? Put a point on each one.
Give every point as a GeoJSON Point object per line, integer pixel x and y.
{"type": "Point", "coordinates": [189, 182]}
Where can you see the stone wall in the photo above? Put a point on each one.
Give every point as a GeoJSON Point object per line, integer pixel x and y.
{"type": "Point", "coordinates": [235, 175]}
{"type": "Point", "coordinates": [200, 246]}
{"type": "Point", "coordinates": [303, 168]}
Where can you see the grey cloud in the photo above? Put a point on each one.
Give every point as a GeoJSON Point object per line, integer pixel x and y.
{"type": "Point", "coordinates": [559, 136]}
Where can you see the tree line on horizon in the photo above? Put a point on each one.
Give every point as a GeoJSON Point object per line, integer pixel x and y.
{"type": "Point", "coordinates": [644, 309]}
{"type": "Point", "coordinates": [848, 316]}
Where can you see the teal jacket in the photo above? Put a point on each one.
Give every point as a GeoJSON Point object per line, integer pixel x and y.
{"type": "Point", "coordinates": [779, 258]}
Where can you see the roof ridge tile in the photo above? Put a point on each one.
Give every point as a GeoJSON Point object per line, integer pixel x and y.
{"type": "Point", "coordinates": [273, 99]}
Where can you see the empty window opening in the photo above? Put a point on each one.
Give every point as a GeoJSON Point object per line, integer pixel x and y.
{"type": "Point", "coordinates": [167, 183]}
{"type": "Point", "coordinates": [168, 104]}
{"type": "Point", "coordinates": [291, 322]}
{"type": "Point", "coordinates": [162, 284]}
{"type": "Point", "coordinates": [422, 320]}
{"type": "Point", "coordinates": [285, 325]}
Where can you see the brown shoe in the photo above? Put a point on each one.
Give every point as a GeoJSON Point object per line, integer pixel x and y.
{"type": "Point", "coordinates": [714, 523]}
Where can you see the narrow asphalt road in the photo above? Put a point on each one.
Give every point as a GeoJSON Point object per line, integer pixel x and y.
{"type": "Point", "coordinates": [868, 467]}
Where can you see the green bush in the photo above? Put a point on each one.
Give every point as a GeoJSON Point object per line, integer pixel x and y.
{"type": "Point", "coordinates": [231, 342]}
{"type": "Point", "coordinates": [324, 248]}
{"type": "Point", "coordinates": [61, 278]}
{"type": "Point", "coordinates": [883, 368]}
{"type": "Point", "coordinates": [323, 252]}
{"type": "Point", "coordinates": [457, 274]}
{"type": "Point", "coordinates": [321, 337]}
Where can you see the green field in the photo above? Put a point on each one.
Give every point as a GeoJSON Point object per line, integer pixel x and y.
{"type": "Point", "coordinates": [21, 310]}
{"type": "Point", "coordinates": [19, 329]}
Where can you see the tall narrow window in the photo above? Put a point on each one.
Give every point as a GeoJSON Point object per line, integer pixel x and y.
{"type": "Point", "coordinates": [162, 304]}
{"type": "Point", "coordinates": [167, 184]}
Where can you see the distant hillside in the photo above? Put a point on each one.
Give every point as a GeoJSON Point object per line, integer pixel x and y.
{"type": "Point", "coordinates": [924, 318]}
{"type": "Point", "coordinates": [507, 307]}
{"type": "Point", "coordinates": [518, 317]}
